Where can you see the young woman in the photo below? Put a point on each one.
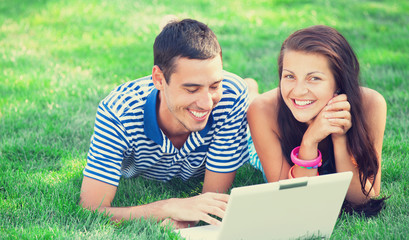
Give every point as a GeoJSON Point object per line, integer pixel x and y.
{"type": "Point", "coordinates": [320, 118]}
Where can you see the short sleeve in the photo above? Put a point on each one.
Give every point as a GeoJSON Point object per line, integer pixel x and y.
{"type": "Point", "coordinates": [229, 149]}
{"type": "Point", "coordinates": [107, 147]}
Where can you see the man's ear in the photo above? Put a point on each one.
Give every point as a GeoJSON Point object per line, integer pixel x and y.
{"type": "Point", "coordinates": [158, 78]}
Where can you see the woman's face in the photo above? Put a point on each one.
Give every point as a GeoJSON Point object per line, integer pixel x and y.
{"type": "Point", "coordinates": [307, 84]}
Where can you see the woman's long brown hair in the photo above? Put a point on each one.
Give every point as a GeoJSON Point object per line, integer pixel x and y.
{"type": "Point", "coordinates": [345, 68]}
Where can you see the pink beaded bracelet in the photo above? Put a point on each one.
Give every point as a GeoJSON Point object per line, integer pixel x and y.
{"type": "Point", "coordinates": [315, 163]}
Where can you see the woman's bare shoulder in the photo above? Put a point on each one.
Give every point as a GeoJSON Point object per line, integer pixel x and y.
{"type": "Point", "coordinates": [373, 101]}
{"type": "Point", "coordinates": [263, 109]}
{"type": "Point", "coordinates": [375, 110]}
{"type": "Point", "coordinates": [266, 101]}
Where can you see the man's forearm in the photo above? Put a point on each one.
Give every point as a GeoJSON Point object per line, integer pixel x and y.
{"type": "Point", "coordinates": [217, 182]}
{"type": "Point", "coordinates": [151, 210]}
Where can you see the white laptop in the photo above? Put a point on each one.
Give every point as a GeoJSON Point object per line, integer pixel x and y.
{"type": "Point", "coordinates": [288, 209]}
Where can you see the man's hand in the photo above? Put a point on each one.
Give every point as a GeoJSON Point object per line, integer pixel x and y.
{"type": "Point", "coordinates": [182, 211]}
{"type": "Point", "coordinates": [178, 224]}
{"type": "Point", "coordinates": [197, 208]}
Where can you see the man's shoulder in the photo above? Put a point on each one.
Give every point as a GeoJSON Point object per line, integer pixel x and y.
{"type": "Point", "coordinates": [137, 86]}
{"type": "Point", "coordinates": [129, 95]}
{"type": "Point", "coordinates": [232, 83]}
{"type": "Point", "coordinates": [234, 98]}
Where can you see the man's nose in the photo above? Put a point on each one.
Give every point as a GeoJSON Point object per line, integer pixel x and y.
{"type": "Point", "coordinates": [205, 100]}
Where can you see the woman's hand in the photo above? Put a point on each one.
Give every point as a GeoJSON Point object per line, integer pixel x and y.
{"type": "Point", "coordinates": [335, 119]}
{"type": "Point", "coordinates": [339, 115]}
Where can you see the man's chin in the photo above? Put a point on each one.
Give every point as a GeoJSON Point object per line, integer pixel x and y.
{"type": "Point", "coordinates": [197, 127]}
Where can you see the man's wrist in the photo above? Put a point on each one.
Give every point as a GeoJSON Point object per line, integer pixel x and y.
{"type": "Point", "coordinates": [161, 209]}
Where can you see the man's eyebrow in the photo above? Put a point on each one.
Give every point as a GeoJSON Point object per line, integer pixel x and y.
{"type": "Point", "coordinates": [192, 85]}
{"type": "Point", "coordinates": [200, 85]}
{"type": "Point", "coordinates": [218, 81]}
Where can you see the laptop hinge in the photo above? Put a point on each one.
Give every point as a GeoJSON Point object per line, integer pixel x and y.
{"type": "Point", "coordinates": [293, 183]}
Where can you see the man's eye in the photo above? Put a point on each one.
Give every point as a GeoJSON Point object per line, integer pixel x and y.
{"type": "Point", "coordinates": [191, 90]}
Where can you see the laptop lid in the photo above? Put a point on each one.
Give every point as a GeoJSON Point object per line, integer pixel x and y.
{"type": "Point", "coordinates": [292, 208]}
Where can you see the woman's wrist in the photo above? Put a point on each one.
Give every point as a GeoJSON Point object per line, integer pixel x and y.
{"type": "Point", "coordinates": [296, 171]}
{"type": "Point", "coordinates": [338, 139]}
{"type": "Point", "coordinates": [313, 163]}
{"type": "Point", "coordinates": [308, 150]}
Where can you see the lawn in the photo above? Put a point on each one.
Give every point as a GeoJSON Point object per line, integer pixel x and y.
{"type": "Point", "coordinates": [59, 58]}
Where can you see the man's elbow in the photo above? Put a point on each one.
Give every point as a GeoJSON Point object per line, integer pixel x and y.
{"type": "Point", "coordinates": [92, 205]}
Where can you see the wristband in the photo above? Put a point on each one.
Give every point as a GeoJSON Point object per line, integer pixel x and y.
{"type": "Point", "coordinates": [291, 175]}
{"type": "Point", "coordinates": [315, 163]}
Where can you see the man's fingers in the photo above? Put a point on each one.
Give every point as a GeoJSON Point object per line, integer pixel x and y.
{"type": "Point", "coordinates": [222, 197]}
{"type": "Point", "coordinates": [201, 207]}
{"type": "Point", "coordinates": [210, 220]}
{"type": "Point", "coordinates": [221, 203]}
{"type": "Point", "coordinates": [213, 204]}
{"type": "Point", "coordinates": [217, 196]}
{"type": "Point", "coordinates": [216, 199]}
{"type": "Point", "coordinates": [217, 211]}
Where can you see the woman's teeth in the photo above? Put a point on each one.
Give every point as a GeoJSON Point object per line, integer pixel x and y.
{"type": "Point", "coordinates": [303, 103]}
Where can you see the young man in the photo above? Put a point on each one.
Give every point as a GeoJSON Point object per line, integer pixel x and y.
{"type": "Point", "coordinates": [185, 120]}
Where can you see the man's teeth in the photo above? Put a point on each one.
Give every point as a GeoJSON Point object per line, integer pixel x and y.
{"type": "Point", "coordinates": [198, 114]}
{"type": "Point", "coordinates": [303, 103]}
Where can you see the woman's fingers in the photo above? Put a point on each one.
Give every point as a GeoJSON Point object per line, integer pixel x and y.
{"type": "Point", "coordinates": [338, 115]}
{"type": "Point", "coordinates": [338, 106]}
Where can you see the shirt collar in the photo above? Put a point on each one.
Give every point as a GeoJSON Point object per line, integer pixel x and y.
{"type": "Point", "coordinates": [151, 126]}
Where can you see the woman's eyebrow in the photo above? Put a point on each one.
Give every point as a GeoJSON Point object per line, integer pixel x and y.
{"type": "Point", "coordinates": [315, 72]}
{"type": "Point", "coordinates": [288, 70]}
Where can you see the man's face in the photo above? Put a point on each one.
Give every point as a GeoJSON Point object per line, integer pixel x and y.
{"type": "Point", "coordinates": [194, 89]}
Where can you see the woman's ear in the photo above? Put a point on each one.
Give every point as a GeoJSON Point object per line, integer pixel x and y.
{"type": "Point", "coordinates": [157, 77]}
{"type": "Point", "coordinates": [337, 92]}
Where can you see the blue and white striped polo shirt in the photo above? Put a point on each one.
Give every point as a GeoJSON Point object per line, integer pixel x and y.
{"type": "Point", "coordinates": [127, 140]}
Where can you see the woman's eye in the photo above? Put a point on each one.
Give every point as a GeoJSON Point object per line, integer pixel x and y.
{"type": "Point", "coordinates": [315, 78]}
{"type": "Point", "coordinates": [289, 76]}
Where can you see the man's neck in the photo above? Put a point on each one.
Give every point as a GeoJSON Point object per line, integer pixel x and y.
{"type": "Point", "coordinates": [178, 141]}
{"type": "Point", "coordinates": [177, 135]}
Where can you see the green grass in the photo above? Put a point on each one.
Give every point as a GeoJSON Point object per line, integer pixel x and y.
{"type": "Point", "coordinates": [59, 58]}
